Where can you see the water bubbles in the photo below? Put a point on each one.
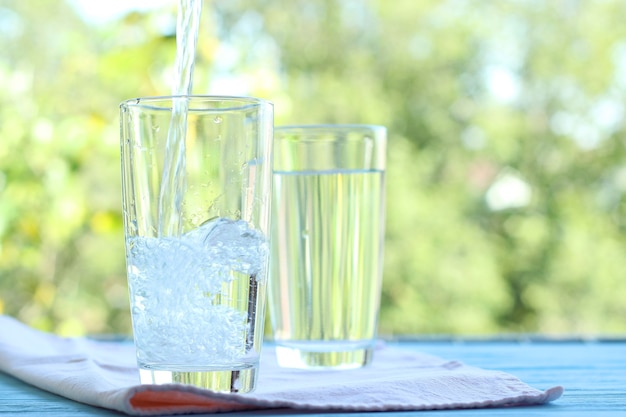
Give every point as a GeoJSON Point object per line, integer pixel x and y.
{"type": "Point", "coordinates": [184, 289]}
{"type": "Point", "coordinates": [217, 119]}
{"type": "Point", "coordinates": [196, 219]}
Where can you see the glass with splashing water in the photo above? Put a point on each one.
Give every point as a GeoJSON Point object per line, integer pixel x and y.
{"type": "Point", "coordinates": [196, 185]}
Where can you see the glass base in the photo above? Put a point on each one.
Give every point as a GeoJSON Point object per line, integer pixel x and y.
{"type": "Point", "coordinates": [291, 357]}
{"type": "Point", "coordinates": [239, 381]}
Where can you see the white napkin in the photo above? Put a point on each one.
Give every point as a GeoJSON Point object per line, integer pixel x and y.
{"type": "Point", "coordinates": [105, 374]}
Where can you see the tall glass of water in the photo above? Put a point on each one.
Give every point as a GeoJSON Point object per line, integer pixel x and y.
{"type": "Point", "coordinates": [327, 244]}
{"type": "Point", "coordinates": [196, 182]}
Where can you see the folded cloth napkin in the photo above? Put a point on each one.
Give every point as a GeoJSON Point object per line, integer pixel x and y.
{"type": "Point", "coordinates": [105, 374]}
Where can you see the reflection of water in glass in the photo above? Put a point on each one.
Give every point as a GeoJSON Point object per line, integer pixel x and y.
{"type": "Point", "coordinates": [327, 262]}
{"type": "Point", "coordinates": [173, 179]}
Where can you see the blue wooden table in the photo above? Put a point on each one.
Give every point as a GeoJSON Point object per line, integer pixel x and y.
{"type": "Point", "coordinates": [593, 374]}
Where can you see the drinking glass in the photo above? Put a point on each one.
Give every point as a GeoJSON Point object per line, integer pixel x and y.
{"type": "Point", "coordinates": [196, 185]}
{"type": "Point", "coordinates": [327, 244]}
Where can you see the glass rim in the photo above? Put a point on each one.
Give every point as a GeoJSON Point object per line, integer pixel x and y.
{"type": "Point", "coordinates": [152, 102]}
{"type": "Point", "coordinates": [332, 127]}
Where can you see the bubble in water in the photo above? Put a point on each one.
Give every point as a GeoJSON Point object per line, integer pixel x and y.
{"type": "Point", "coordinates": [196, 219]}
{"type": "Point", "coordinates": [178, 284]}
{"type": "Point", "coordinates": [217, 119]}
{"type": "Point", "coordinates": [232, 243]}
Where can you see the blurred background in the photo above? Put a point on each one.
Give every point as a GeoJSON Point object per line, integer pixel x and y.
{"type": "Point", "coordinates": [506, 205]}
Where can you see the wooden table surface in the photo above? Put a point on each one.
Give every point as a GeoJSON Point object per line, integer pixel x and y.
{"type": "Point", "coordinates": [593, 374]}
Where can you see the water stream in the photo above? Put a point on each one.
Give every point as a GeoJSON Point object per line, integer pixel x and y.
{"type": "Point", "coordinates": [173, 181]}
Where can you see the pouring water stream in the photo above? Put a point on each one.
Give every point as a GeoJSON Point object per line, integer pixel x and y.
{"type": "Point", "coordinates": [173, 181]}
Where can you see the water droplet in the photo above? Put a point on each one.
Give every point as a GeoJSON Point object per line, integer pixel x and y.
{"type": "Point", "coordinates": [217, 119]}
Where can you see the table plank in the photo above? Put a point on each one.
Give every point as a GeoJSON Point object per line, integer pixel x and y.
{"type": "Point", "coordinates": [593, 374]}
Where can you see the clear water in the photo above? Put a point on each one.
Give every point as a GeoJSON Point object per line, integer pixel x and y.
{"type": "Point", "coordinates": [190, 297]}
{"type": "Point", "coordinates": [194, 296]}
{"type": "Point", "coordinates": [326, 261]}
{"type": "Point", "coordinates": [173, 184]}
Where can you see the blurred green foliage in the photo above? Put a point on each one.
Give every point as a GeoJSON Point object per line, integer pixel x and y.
{"type": "Point", "coordinates": [506, 165]}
